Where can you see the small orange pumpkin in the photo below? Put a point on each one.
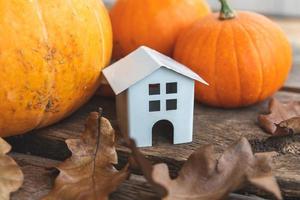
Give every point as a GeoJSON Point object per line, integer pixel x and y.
{"type": "Point", "coordinates": [244, 56]}
{"type": "Point", "coordinates": [154, 23]}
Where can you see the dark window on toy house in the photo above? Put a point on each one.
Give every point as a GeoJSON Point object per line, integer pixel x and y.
{"type": "Point", "coordinates": [171, 88]}
{"type": "Point", "coordinates": [171, 104]}
{"type": "Point", "coordinates": [154, 89]}
{"type": "Point", "coordinates": [154, 106]}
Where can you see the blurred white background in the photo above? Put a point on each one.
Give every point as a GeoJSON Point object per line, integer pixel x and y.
{"type": "Point", "coordinates": [271, 7]}
{"type": "Point", "coordinates": [288, 8]}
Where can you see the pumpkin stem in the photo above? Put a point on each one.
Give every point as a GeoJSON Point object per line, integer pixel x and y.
{"type": "Point", "coordinates": [226, 11]}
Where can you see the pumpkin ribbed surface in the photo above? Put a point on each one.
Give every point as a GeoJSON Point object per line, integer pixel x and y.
{"type": "Point", "coordinates": [153, 23]}
{"type": "Point", "coordinates": [51, 56]}
{"type": "Point", "coordinates": [245, 59]}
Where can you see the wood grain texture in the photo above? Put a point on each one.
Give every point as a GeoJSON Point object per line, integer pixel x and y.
{"type": "Point", "coordinates": [39, 179]}
{"type": "Point", "coordinates": [38, 176]}
{"type": "Point", "coordinates": [211, 126]}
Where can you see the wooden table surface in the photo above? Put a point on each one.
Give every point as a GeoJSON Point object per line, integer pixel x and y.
{"type": "Point", "coordinates": [35, 152]}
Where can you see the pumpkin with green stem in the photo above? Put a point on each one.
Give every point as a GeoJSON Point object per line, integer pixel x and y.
{"type": "Point", "coordinates": [244, 56]}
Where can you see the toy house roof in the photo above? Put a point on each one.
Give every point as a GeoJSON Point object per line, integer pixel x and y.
{"type": "Point", "coordinates": [139, 64]}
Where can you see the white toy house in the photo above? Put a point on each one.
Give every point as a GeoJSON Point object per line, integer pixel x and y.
{"type": "Point", "coordinates": [155, 95]}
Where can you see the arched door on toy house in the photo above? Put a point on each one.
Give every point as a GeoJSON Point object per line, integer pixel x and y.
{"type": "Point", "coordinates": [162, 132]}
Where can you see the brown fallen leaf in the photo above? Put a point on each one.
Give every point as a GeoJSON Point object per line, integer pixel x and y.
{"type": "Point", "coordinates": [89, 173]}
{"type": "Point", "coordinates": [11, 176]}
{"type": "Point", "coordinates": [283, 118]}
{"type": "Point", "coordinates": [204, 177]}
{"type": "Point", "coordinates": [288, 127]}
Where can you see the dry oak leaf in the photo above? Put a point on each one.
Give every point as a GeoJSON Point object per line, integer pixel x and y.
{"type": "Point", "coordinates": [288, 127]}
{"type": "Point", "coordinates": [204, 177]}
{"type": "Point", "coordinates": [11, 176]}
{"type": "Point", "coordinates": [89, 173]}
{"type": "Point", "coordinates": [284, 118]}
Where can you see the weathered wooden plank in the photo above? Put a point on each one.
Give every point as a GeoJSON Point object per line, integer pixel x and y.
{"type": "Point", "coordinates": [214, 126]}
{"type": "Point", "coordinates": [138, 188]}
{"type": "Point", "coordinates": [39, 180]}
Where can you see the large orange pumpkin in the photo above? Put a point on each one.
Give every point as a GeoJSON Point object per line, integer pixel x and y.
{"type": "Point", "coordinates": [244, 56]}
{"type": "Point", "coordinates": [154, 23]}
{"type": "Point", "coordinates": [51, 56]}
